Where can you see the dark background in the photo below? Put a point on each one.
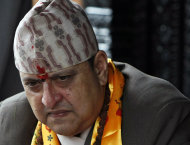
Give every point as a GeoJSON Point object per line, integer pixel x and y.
{"type": "Point", "coordinates": [152, 35]}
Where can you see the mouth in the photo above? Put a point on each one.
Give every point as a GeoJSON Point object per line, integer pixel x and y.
{"type": "Point", "coordinates": [59, 113]}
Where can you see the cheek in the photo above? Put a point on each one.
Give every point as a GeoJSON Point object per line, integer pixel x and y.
{"type": "Point", "coordinates": [84, 98]}
{"type": "Point", "coordinates": [34, 99]}
{"type": "Point", "coordinates": [70, 95]}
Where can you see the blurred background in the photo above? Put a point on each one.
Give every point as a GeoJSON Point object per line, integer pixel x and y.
{"type": "Point", "coordinates": [152, 35]}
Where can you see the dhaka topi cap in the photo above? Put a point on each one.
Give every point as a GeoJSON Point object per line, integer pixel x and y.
{"type": "Point", "coordinates": [53, 35]}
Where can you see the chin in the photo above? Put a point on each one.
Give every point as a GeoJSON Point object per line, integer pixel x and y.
{"type": "Point", "coordinates": [64, 133]}
{"type": "Point", "coordinates": [69, 131]}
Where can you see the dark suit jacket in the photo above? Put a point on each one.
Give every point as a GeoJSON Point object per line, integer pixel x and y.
{"type": "Point", "coordinates": [154, 113]}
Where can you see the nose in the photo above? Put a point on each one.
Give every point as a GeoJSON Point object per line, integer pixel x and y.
{"type": "Point", "coordinates": [50, 96]}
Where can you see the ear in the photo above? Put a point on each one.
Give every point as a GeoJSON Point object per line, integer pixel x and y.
{"type": "Point", "coordinates": [101, 67]}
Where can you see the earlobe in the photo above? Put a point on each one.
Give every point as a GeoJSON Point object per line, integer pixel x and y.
{"type": "Point", "coordinates": [101, 67]}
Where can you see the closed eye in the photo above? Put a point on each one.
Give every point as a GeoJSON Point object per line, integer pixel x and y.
{"type": "Point", "coordinates": [63, 78]}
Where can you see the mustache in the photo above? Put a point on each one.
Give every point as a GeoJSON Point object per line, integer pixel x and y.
{"type": "Point", "coordinates": [62, 105]}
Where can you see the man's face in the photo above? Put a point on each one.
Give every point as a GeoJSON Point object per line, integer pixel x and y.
{"type": "Point", "coordinates": [68, 101]}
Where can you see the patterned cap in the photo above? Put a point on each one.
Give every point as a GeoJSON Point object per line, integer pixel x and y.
{"type": "Point", "coordinates": [53, 35]}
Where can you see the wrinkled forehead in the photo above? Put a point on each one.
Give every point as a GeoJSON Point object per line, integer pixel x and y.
{"type": "Point", "coordinates": [53, 35]}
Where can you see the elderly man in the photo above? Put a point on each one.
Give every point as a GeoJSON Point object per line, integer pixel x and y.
{"type": "Point", "coordinates": [80, 97]}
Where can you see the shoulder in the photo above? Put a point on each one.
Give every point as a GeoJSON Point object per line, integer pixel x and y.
{"type": "Point", "coordinates": [20, 97]}
{"type": "Point", "coordinates": [16, 120]}
{"type": "Point", "coordinates": [154, 110]}
{"type": "Point", "coordinates": [144, 89]}
{"type": "Point", "coordinates": [16, 104]}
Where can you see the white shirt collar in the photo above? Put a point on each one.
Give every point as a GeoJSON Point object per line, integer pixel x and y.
{"type": "Point", "coordinates": [73, 140]}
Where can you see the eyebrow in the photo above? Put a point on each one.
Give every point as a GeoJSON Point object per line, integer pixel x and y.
{"type": "Point", "coordinates": [63, 73]}
{"type": "Point", "coordinates": [53, 76]}
{"type": "Point", "coordinates": [28, 79]}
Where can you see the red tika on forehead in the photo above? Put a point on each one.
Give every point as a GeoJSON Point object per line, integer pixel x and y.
{"type": "Point", "coordinates": [41, 70]}
{"type": "Point", "coordinates": [43, 75]}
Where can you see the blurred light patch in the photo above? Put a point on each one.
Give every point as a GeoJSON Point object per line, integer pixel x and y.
{"type": "Point", "coordinates": [100, 19]}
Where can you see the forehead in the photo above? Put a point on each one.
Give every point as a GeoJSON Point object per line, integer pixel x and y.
{"type": "Point", "coordinates": [84, 66]}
